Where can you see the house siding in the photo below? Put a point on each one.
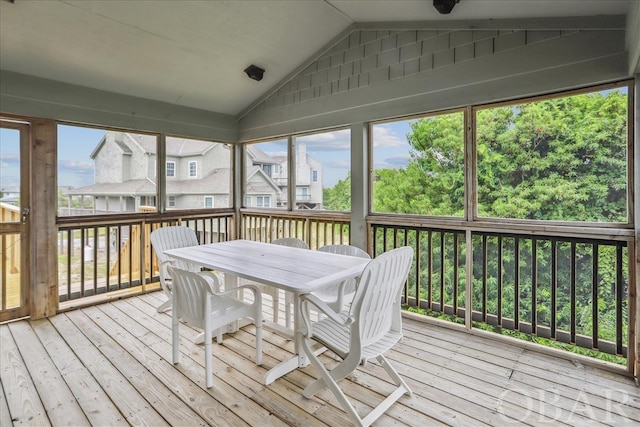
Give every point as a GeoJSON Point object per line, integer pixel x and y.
{"type": "Point", "coordinates": [377, 74]}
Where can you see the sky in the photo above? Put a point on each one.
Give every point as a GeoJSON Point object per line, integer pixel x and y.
{"type": "Point", "coordinates": [9, 160]}
{"type": "Point", "coordinates": [332, 149]}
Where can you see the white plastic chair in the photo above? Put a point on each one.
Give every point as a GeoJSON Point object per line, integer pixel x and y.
{"type": "Point", "coordinates": [293, 242]}
{"type": "Point", "coordinates": [370, 328]}
{"type": "Point", "coordinates": [166, 238]}
{"type": "Point", "coordinates": [337, 295]}
{"type": "Point", "coordinates": [195, 304]}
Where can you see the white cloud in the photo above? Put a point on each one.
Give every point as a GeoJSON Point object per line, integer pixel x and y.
{"type": "Point", "coordinates": [394, 162]}
{"type": "Point", "coordinates": [327, 141]}
{"type": "Point", "coordinates": [385, 137]}
{"type": "Point", "coordinates": [76, 166]}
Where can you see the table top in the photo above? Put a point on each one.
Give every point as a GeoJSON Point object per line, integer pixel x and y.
{"type": "Point", "coordinates": [292, 269]}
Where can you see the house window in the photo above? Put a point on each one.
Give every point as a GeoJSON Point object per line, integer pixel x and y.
{"type": "Point", "coordinates": [276, 168]}
{"type": "Point", "coordinates": [247, 201]}
{"type": "Point", "coordinates": [171, 202]}
{"type": "Point", "coordinates": [208, 201]}
{"type": "Point", "coordinates": [193, 169]}
{"type": "Point", "coordinates": [267, 169]}
{"type": "Point", "coordinates": [314, 176]}
{"type": "Point", "coordinates": [263, 201]}
{"type": "Point", "coordinates": [171, 169]}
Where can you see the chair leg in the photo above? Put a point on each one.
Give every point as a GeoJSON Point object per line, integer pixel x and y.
{"type": "Point", "coordinates": [258, 342]}
{"type": "Point", "coordinates": [328, 380]}
{"type": "Point", "coordinates": [164, 306]}
{"type": "Point", "coordinates": [174, 337]}
{"type": "Point", "coordinates": [208, 355]}
{"type": "Point", "coordinates": [397, 379]}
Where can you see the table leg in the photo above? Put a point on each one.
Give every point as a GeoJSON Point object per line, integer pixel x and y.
{"type": "Point", "coordinates": [230, 282]}
{"type": "Point", "coordinates": [297, 321]}
{"type": "Point", "coordinates": [300, 359]}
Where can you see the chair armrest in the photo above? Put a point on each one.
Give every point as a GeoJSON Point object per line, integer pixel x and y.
{"type": "Point", "coordinates": [323, 307]}
{"type": "Point", "coordinates": [214, 283]}
{"type": "Point", "coordinates": [252, 288]}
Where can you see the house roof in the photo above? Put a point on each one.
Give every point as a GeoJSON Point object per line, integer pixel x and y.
{"type": "Point", "coordinates": [176, 147]}
{"type": "Point", "coordinates": [134, 187]}
{"type": "Point", "coordinates": [259, 156]}
{"type": "Point", "coordinates": [216, 182]}
{"type": "Point", "coordinates": [193, 53]}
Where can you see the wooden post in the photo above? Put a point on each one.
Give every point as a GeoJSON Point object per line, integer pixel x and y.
{"type": "Point", "coordinates": [44, 266]}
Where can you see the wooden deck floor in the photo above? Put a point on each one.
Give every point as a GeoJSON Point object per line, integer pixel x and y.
{"type": "Point", "coordinates": [110, 364]}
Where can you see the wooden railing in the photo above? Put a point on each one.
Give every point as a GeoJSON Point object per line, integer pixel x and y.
{"type": "Point", "coordinates": [11, 292]}
{"type": "Point", "coordinates": [11, 244]}
{"type": "Point", "coordinates": [317, 230]}
{"type": "Point", "coordinates": [568, 289]}
{"type": "Point", "coordinates": [106, 254]}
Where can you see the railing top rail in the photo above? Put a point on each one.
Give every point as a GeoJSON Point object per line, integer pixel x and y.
{"type": "Point", "coordinates": [302, 214]}
{"type": "Point", "coordinates": [133, 218]}
{"type": "Point", "coordinates": [577, 230]}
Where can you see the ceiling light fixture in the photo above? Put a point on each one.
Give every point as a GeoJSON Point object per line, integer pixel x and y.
{"type": "Point", "coordinates": [445, 6]}
{"type": "Point", "coordinates": [254, 72]}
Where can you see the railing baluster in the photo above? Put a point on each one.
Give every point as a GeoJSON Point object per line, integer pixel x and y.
{"type": "Point", "coordinates": [430, 270]}
{"type": "Point", "coordinates": [485, 258]}
{"type": "Point", "coordinates": [418, 252]}
{"type": "Point", "coordinates": [95, 260]}
{"type": "Point", "coordinates": [499, 280]}
{"type": "Point", "coordinates": [456, 255]}
{"type": "Point", "coordinates": [619, 285]}
{"type": "Point", "coordinates": [516, 293]}
{"type": "Point", "coordinates": [572, 279]}
{"type": "Point", "coordinates": [534, 285]}
{"type": "Point", "coordinates": [82, 284]}
{"type": "Point", "coordinates": [594, 295]}
{"type": "Point", "coordinates": [69, 251]}
{"type": "Point", "coordinates": [554, 286]}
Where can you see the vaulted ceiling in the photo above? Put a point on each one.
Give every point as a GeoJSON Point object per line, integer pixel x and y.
{"type": "Point", "coordinates": [193, 53]}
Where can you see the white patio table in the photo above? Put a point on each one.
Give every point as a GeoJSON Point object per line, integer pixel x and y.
{"type": "Point", "coordinates": [295, 270]}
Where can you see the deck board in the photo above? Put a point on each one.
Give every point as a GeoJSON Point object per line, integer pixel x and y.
{"type": "Point", "coordinates": [111, 364]}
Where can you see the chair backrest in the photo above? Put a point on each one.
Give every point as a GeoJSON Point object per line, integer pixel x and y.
{"type": "Point", "coordinates": [292, 242]}
{"type": "Point", "coordinates": [190, 292]}
{"type": "Point", "coordinates": [174, 237]}
{"type": "Point", "coordinates": [345, 250]}
{"type": "Point", "coordinates": [376, 305]}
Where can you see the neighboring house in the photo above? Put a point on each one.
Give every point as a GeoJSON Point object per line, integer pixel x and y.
{"type": "Point", "coordinates": [198, 175]}
{"type": "Point", "coordinates": [10, 195]}
{"type": "Point", "coordinates": [308, 176]}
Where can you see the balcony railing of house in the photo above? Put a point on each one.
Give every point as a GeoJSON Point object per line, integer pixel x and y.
{"type": "Point", "coordinates": [569, 290]}
{"type": "Point", "coordinates": [100, 255]}
{"type": "Point", "coordinates": [281, 182]}
{"type": "Point", "coordinates": [316, 229]}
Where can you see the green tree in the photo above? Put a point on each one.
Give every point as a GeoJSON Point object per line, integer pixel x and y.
{"type": "Point", "coordinates": [557, 159]}
{"type": "Point", "coordinates": [338, 197]}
